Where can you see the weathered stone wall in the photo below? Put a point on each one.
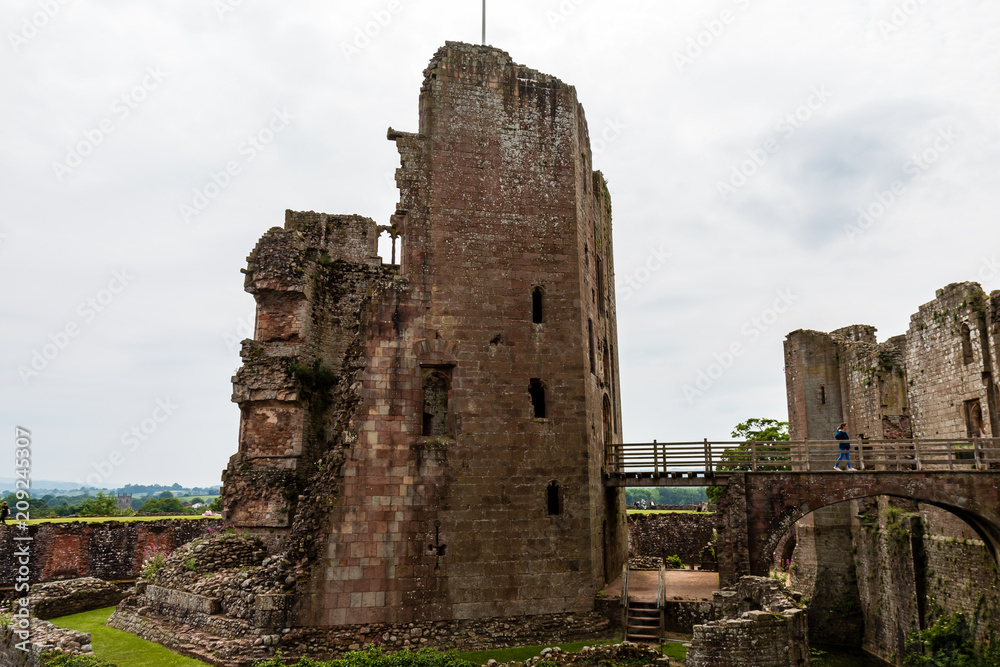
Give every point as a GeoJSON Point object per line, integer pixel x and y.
{"type": "Point", "coordinates": [425, 441]}
{"type": "Point", "coordinates": [949, 363]}
{"type": "Point", "coordinates": [761, 626]}
{"type": "Point", "coordinates": [110, 550]}
{"type": "Point", "coordinates": [823, 570]}
{"type": "Point", "coordinates": [665, 535]}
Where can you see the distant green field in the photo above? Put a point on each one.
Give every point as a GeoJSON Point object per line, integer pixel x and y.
{"type": "Point", "coordinates": [93, 519]}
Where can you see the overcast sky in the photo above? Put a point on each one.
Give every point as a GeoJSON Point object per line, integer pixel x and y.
{"type": "Point", "coordinates": [739, 139]}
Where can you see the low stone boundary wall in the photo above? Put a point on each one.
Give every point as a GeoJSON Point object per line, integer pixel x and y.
{"type": "Point", "coordinates": [109, 550]}
{"type": "Point", "coordinates": [763, 627]}
{"type": "Point", "coordinates": [44, 638]}
{"type": "Point", "coordinates": [329, 643]}
{"type": "Point", "coordinates": [62, 598]}
{"type": "Point", "coordinates": [665, 535]}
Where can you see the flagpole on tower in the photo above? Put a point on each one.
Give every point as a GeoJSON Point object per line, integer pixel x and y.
{"type": "Point", "coordinates": [484, 22]}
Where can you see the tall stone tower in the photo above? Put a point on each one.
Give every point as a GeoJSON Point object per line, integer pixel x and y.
{"type": "Point", "coordinates": [425, 441]}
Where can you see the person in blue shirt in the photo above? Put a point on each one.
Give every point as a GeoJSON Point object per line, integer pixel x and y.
{"type": "Point", "coordinates": [845, 447]}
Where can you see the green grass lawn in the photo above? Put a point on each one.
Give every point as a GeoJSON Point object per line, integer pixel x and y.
{"type": "Point", "coordinates": [120, 647]}
{"type": "Point", "coordinates": [675, 650]}
{"type": "Point", "coordinates": [91, 519]}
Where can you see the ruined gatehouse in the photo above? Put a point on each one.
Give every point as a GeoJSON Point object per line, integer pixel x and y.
{"type": "Point", "coordinates": [879, 568]}
{"type": "Point", "coordinates": [422, 440]}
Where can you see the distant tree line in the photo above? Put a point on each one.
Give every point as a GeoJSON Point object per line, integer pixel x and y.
{"type": "Point", "coordinates": [667, 495]}
{"type": "Point", "coordinates": [105, 504]}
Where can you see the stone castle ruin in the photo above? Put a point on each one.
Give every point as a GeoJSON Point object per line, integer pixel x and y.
{"type": "Point", "coordinates": [878, 568]}
{"type": "Point", "coordinates": [421, 443]}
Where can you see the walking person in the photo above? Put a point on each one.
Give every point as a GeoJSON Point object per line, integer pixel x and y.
{"type": "Point", "coordinates": [4, 512]}
{"type": "Point", "coordinates": [845, 447]}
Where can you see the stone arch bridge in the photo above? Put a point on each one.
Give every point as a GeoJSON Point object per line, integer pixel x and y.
{"type": "Point", "coordinates": [773, 485]}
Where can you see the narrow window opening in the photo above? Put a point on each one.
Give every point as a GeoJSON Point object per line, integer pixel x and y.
{"type": "Point", "coordinates": [536, 305]}
{"type": "Point", "coordinates": [537, 391]}
{"type": "Point", "coordinates": [966, 344]}
{"type": "Point", "coordinates": [554, 499]}
{"type": "Point", "coordinates": [387, 246]}
{"type": "Point", "coordinates": [599, 266]}
{"type": "Point", "coordinates": [590, 340]}
{"type": "Point", "coordinates": [822, 395]}
{"type": "Point", "coordinates": [974, 419]}
{"type": "Point", "coordinates": [607, 420]}
{"type": "Point", "coordinates": [436, 390]}
{"type": "Point", "coordinates": [606, 358]}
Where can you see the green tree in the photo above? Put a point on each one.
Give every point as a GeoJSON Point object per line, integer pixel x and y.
{"type": "Point", "coordinates": [165, 495]}
{"type": "Point", "coordinates": [162, 506]}
{"type": "Point", "coordinates": [100, 505]}
{"type": "Point", "coordinates": [216, 505]}
{"type": "Point", "coordinates": [755, 429]}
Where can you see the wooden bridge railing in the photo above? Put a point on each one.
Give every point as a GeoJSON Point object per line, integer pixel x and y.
{"type": "Point", "coordinates": [718, 458]}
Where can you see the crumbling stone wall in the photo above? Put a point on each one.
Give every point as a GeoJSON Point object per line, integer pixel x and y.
{"type": "Point", "coordinates": [761, 626]}
{"type": "Point", "coordinates": [109, 550]}
{"type": "Point", "coordinates": [665, 535]}
{"type": "Point", "coordinates": [44, 638]}
{"type": "Point", "coordinates": [62, 598]}
{"type": "Point", "coordinates": [425, 441]}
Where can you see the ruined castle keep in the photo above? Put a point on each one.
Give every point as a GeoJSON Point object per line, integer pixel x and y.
{"type": "Point", "coordinates": [424, 440]}
{"type": "Point", "coordinates": [936, 381]}
{"type": "Point", "coordinates": [878, 568]}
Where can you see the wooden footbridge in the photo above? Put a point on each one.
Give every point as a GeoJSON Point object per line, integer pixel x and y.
{"type": "Point", "coordinates": [774, 484]}
{"type": "Point", "coordinates": [709, 463]}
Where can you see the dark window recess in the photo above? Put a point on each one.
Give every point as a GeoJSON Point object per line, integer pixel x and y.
{"type": "Point", "coordinates": [822, 395]}
{"type": "Point", "coordinates": [436, 387]}
{"type": "Point", "coordinates": [974, 419]}
{"type": "Point", "coordinates": [606, 358]}
{"type": "Point", "coordinates": [590, 339]}
{"type": "Point", "coordinates": [553, 498]}
{"type": "Point", "coordinates": [599, 267]}
{"type": "Point", "coordinates": [537, 391]}
{"type": "Point", "coordinates": [966, 344]}
{"type": "Point", "coordinates": [536, 305]}
{"type": "Point", "coordinates": [607, 420]}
